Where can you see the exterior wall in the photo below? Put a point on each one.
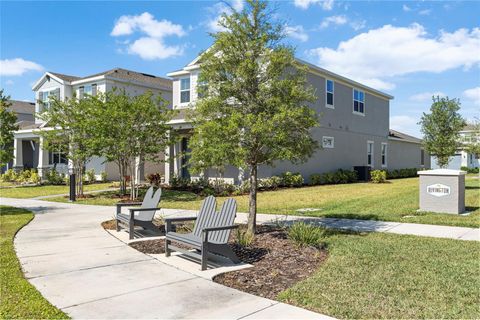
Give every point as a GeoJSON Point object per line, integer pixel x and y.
{"type": "Point", "coordinates": [136, 89]}
{"type": "Point", "coordinates": [403, 155]}
{"type": "Point", "coordinates": [461, 159]}
{"type": "Point", "coordinates": [47, 85]}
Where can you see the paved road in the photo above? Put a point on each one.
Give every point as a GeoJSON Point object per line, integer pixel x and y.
{"type": "Point", "coordinates": [87, 273]}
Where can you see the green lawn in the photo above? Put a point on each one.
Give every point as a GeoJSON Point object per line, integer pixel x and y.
{"type": "Point", "coordinates": [37, 191]}
{"type": "Point", "coordinates": [379, 275]}
{"type": "Point", "coordinates": [396, 200]}
{"type": "Point", "coordinates": [19, 299]}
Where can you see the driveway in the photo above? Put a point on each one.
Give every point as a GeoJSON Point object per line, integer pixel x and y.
{"type": "Point", "coordinates": [87, 273]}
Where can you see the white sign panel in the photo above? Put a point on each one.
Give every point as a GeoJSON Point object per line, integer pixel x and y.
{"type": "Point", "coordinates": [438, 190]}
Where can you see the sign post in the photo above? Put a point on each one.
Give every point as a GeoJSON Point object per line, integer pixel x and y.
{"type": "Point", "coordinates": [442, 190]}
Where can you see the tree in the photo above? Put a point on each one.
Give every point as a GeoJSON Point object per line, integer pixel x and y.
{"type": "Point", "coordinates": [473, 145]}
{"type": "Point", "coordinates": [130, 130]}
{"type": "Point", "coordinates": [7, 127]}
{"type": "Point", "coordinates": [441, 129]}
{"type": "Point", "coordinates": [71, 132]}
{"type": "Point", "coordinates": [254, 106]}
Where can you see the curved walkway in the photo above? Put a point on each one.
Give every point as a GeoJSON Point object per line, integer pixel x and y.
{"type": "Point", "coordinates": [87, 273]}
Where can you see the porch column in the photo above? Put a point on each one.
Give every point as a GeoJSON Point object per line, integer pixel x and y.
{"type": "Point", "coordinates": [42, 158]}
{"type": "Point", "coordinates": [168, 165]}
{"type": "Point", "coordinates": [17, 155]}
{"type": "Point", "coordinates": [139, 170]}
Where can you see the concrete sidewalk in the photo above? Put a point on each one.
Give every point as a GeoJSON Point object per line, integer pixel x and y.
{"type": "Point", "coordinates": [87, 273]}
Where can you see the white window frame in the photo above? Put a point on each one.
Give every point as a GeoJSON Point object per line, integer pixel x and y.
{"type": "Point", "coordinates": [422, 157]}
{"type": "Point", "coordinates": [384, 144]}
{"type": "Point", "coordinates": [184, 90]}
{"type": "Point", "coordinates": [58, 153]}
{"type": "Point", "coordinates": [372, 153]}
{"type": "Point", "coordinates": [325, 146]}
{"type": "Point", "coordinates": [331, 106]}
{"type": "Point", "coordinates": [45, 100]}
{"type": "Point", "coordinates": [353, 102]}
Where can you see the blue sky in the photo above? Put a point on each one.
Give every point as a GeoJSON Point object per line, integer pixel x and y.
{"type": "Point", "coordinates": [406, 48]}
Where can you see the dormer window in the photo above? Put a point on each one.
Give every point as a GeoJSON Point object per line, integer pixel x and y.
{"type": "Point", "coordinates": [185, 90]}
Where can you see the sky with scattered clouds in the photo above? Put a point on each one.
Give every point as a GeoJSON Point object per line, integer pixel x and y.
{"type": "Point", "coordinates": [411, 50]}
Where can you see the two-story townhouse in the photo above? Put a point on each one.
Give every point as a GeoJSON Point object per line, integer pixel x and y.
{"type": "Point", "coordinates": [353, 131]}
{"type": "Point", "coordinates": [29, 151]}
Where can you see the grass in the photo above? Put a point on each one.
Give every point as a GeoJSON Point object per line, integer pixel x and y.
{"type": "Point", "coordinates": [396, 200]}
{"type": "Point", "coordinates": [38, 191]}
{"type": "Point", "coordinates": [19, 299]}
{"type": "Point", "coordinates": [379, 275]}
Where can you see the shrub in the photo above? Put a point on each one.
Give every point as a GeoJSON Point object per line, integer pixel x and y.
{"type": "Point", "coordinates": [339, 176]}
{"type": "Point", "coordinates": [24, 176]}
{"type": "Point", "coordinates": [35, 177]}
{"type": "Point", "coordinates": [378, 176]}
{"type": "Point", "coordinates": [90, 176]}
{"type": "Point", "coordinates": [470, 170]}
{"type": "Point", "coordinates": [289, 179]}
{"type": "Point", "coordinates": [53, 177]}
{"type": "Point", "coordinates": [271, 183]}
{"type": "Point", "coordinates": [155, 179]}
{"type": "Point", "coordinates": [9, 176]}
{"type": "Point", "coordinates": [103, 176]}
{"type": "Point", "coordinates": [179, 183]}
{"type": "Point", "coordinates": [305, 234]}
{"type": "Point", "coordinates": [244, 238]}
{"type": "Point", "coordinates": [402, 173]}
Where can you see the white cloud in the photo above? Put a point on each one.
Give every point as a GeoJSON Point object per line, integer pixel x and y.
{"type": "Point", "coordinates": [153, 45]}
{"type": "Point", "coordinates": [426, 96]}
{"type": "Point", "coordinates": [406, 8]}
{"type": "Point", "coordinates": [220, 8]}
{"type": "Point", "coordinates": [296, 32]}
{"type": "Point", "coordinates": [376, 56]}
{"type": "Point", "coordinates": [327, 5]}
{"type": "Point", "coordinates": [405, 124]}
{"type": "Point", "coordinates": [17, 67]}
{"type": "Point", "coordinates": [358, 25]}
{"type": "Point", "coordinates": [9, 82]}
{"type": "Point", "coordinates": [333, 20]}
{"type": "Point", "coordinates": [425, 12]}
{"type": "Point", "coordinates": [473, 95]}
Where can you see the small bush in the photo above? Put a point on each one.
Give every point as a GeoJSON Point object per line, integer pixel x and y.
{"type": "Point", "coordinates": [402, 173]}
{"type": "Point", "coordinates": [53, 177]}
{"type": "Point", "coordinates": [155, 179]}
{"type": "Point", "coordinates": [35, 177]}
{"type": "Point", "coordinates": [378, 176]}
{"type": "Point", "coordinates": [339, 176]}
{"type": "Point", "coordinates": [24, 176]}
{"type": "Point", "coordinates": [271, 183]}
{"type": "Point", "coordinates": [290, 179]}
{"type": "Point", "coordinates": [244, 238]}
{"type": "Point", "coordinates": [305, 234]}
{"type": "Point", "coordinates": [90, 176]}
{"type": "Point", "coordinates": [470, 170]}
{"type": "Point", "coordinates": [103, 176]}
{"type": "Point", "coordinates": [9, 176]}
{"type": "Point", "coordinates": [179, 183]}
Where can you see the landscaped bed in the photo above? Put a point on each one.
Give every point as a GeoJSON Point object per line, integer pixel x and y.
{"type": "Point", "coordinates": [47, 190]}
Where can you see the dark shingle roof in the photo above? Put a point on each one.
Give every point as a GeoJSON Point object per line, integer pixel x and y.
{"type": "Point", "coordinates": [65, 77]}
{"type": "Point", "coordinates": [130, 75]}
{"type": "Point", "coordinates": [469, 127]}
{"type": "Point", "coordinates": [25, 107]}
{"type": "Point", "coordinates": [22, 125]}
{"type": "Point", "coordinates": [402, 136]}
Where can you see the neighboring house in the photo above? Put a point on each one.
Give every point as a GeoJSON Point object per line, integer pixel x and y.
{"type": "Point", "coordinates": [354, 129]}
{"type": "Point", "coordinates": [463, 158]}
{"type": "Point", "coordinates": [24, 110]}
{"type": "Point", "coordinates": [28, 145]}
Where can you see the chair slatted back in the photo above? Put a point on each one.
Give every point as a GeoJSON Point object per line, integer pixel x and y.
{"type": "Point", "coordinates": [209, 205]}
{"type": "Point", "coordinates": [150, 200]}
{"type": "Point", "coordinates": [225, 217]}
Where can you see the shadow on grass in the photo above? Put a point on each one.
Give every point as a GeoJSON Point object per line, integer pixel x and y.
{"type": "Point", "coordinates": [472, 187]}
{"type": "Point", "coordinates": [11, 211]}
{"type": "Point", "coordinates": [357, 216]}
{"type": "Point", "coordinates": [471, 208]}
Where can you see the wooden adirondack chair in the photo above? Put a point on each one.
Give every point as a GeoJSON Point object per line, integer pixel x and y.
{"type": "Point", "coordinates": [210, 233]}
{"type": "Point", "coordinates": [141, 216]}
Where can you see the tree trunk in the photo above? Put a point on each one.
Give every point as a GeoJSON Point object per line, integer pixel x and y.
{"type": "Point", "coordinates": [252, 205]}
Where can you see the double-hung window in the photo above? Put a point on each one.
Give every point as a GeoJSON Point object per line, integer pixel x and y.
{"type": "Point", "coordinates": [185, 90]}
{"type": "Point", "coordinates": [329, 89]}
{"type": "Point", "coordinates": [422, 157]}
{"type": "Point", "coordinates": [370, 153]}
{"type": "Point", "coordinates": [384, 154]}
{"type": "Point", "coordinates": [358, 101]}
{"type": "Point", "coordinates": [57, 156]}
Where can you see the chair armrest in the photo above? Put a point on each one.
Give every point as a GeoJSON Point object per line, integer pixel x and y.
{"type": "Point", "coordinates": [126, 204]}
{"type": "Point", "coordinates": [144, 209]}
{"type": "Point", "coordinates": [169, 221]}
{"type": "Point", "coordinates": [219, 228]}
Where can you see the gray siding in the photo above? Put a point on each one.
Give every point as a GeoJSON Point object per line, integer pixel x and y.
{"type": "Point", "coordinates": [402, 154]}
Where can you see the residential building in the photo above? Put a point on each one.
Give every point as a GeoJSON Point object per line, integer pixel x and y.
{"type": "Point", "coordinates": [462, 157]}
{"type": "Point", "coordinates": [29, 151]}
{"type": "Point", "coordinates": [353, 131]}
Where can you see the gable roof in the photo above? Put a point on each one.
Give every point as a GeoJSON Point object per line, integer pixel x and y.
{"type": "Point", "coordinates": [65, 77]}
{"type": "Point", "coordinates": [397, 135]}
{"type": "Point", "coordinates": [25, 107]}
{"type": "Point", "coordinates": [129, 75]}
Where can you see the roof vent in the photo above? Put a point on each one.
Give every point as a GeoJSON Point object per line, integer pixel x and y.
{"type": "Point", "coordinates": [148, 75]}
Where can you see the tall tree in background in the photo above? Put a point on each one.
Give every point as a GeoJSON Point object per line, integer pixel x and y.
{"type": "Point", "coordinates": [7, 127]}
{"type": "Point", "coordinates": [130, 130]}
{"type": "Point", "coordinates": [473, 146]}
{"type": "Point", "coordinates": [254, 106]}
{"type": "Point", "coordinates": [441, 128]}
{"type": "Point", "coordinates": [72, 130]}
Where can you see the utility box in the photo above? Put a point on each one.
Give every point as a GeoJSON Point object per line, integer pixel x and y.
{"type": "Point", "coordinates": [363, 173]}
{"type": "Point", "coordinates": [442, 190]}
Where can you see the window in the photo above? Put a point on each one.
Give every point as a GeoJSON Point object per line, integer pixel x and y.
{"type": "Point", "coordinates": [358, 101]}
{"type": "Point", "coordinates": [384, 154]}
{"type": "Point", "coordinates": [45, 96]}
{"type": "Point", "coordinates": [185, 90]}
{"type": "Point", "coordinates": [329, 93]}
{"type": "Point", "coordinates": [57, 157]}
{"type": "Point", "coordinates": [328, 142]}
{"type": "Point", "coordinates": [422, 157]}
{"type": "Point", "coordinates": [370, 153]}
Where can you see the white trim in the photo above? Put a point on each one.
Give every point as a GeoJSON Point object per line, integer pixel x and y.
{"type": "Point", "coordinates": [327, 147]}
{"type": "Point", "coordinates": [178, 73]}
{"type": "Point", "coordinates": [372, 154]}
{"type": "Point", "coordinates": [85, 80]}
{"type": "Point", "coordinates": [384, 165]}
{"type": "Point", "coordinates": [189, 90]}
{"type": "Point", "coordinates": [40, 81]}
{"type": "Point", "coordinates": [422, 159]}
{"type": "Point", "coordinates": [330, 106]}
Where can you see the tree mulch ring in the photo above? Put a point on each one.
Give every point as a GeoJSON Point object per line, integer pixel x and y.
{"type": "Point", "coordinates": [278, 263]}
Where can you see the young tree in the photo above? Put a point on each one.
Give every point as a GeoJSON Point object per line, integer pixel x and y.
{"type": "Point", "coordinates": [473, 146]}
{"type": "Point", "coordinates": [7, 127]}
{"type": "Point", "coordinates": [254, 106]}
{"type": "Point", "coordinates": [441, 129]}
{"type": "Point", "coordinates": [72, 130]}
{"type": "Point", "coordinates": [130, 130]}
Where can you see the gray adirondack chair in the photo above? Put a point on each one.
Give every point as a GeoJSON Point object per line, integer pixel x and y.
{"type": "Point", "coordinates": [141, 216]}
{"type": "Point", "coordinates": [210, 233]}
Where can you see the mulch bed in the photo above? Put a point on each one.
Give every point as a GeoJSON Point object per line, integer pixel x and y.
{"type": "Point", "coordinates": [278, 263]}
